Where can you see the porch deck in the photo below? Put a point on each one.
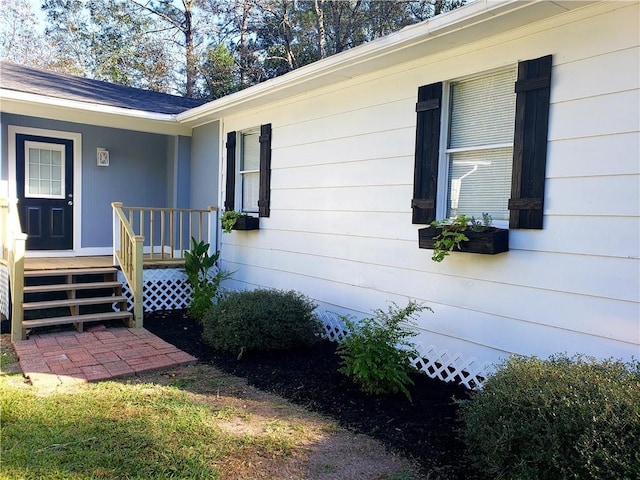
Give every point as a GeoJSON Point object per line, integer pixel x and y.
{"type": "Point", "coordinates": [59, 263]}
{"type": "Point", "coordinates": [55, 359]}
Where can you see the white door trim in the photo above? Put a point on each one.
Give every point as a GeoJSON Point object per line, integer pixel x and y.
{"type": "Point", "coordinates": [76, 138]}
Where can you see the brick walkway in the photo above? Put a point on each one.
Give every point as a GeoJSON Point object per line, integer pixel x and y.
{"type": "Point", "coordinates": [99, 353]}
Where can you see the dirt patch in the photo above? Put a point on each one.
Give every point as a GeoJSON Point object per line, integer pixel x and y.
{"type": "Point", "coordinates": [424, 429]}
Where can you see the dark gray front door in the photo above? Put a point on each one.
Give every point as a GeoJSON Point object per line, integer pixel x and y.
{"type": "Point", "coordinates": [44, 178]}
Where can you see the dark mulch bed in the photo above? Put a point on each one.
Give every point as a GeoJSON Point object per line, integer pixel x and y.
{"type": "Point", "coordinates": [424, 429]}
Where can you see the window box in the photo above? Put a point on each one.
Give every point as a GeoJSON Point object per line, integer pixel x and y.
{"type": "Point", "coordinates": [488, 242]}
{"type": "Point", "coordinates": [247, 223]}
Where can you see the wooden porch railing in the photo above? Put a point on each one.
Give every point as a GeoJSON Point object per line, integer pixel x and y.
{"type": "Point", "coordinates": [156, 236]}
{"type": "Point", "coordinates": [13, 247]}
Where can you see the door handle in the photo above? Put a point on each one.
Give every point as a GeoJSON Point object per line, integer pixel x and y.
{"type": "Point", "coordinates": [70, 202]}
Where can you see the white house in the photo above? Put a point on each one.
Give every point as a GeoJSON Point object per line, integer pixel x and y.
{"type": "Point", "coordinates": [528, 110]}
{"type": "Point", "coordinates": [345, 142]}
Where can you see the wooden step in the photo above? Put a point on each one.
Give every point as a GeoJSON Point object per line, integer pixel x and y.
{"type": "Point", "coordinates": [72, 302]}
{"type": "Point", "coordinates": [63, 287]}
{"type": "Point", "coordinates": [61, 272]}
{"type": "Point", "coordinates": [77, 319]}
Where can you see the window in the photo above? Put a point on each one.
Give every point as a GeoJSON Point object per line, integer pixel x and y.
{"type": "Point", "coordinates": [44, 170]}
{"type": "Point", "coordinates": [248, 181]}
{"type": "Point", "coordinates": [248, 160]}
{"type": "Point", "coordinates": [478, 156]}
{"type": "Point", "coordinates": [494, 154]}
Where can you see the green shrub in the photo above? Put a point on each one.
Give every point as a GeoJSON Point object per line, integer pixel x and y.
{"type": "Point", "coordinates": [197, 266]}
{"type": "Point", "coordinates": [261, 320]}
{"type": "Point", "coordinates": [562, 418]}
{"type": "Point", "coordinates": [376, 354]}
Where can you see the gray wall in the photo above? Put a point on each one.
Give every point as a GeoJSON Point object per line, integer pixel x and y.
{"type": "Point", "coordinates": [205, 150]}
{"type": "Point", "coordinates": [137, 175]}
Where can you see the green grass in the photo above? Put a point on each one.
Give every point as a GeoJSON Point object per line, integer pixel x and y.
{"type": "Point", "coordinates": [121, 431]}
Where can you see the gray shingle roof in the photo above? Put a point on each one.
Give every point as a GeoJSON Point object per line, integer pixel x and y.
{"type": "Point", "coordinates": [58, 85]}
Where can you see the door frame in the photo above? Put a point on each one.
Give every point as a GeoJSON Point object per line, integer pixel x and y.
{"type": "Point", "coordinates": [76, 138]}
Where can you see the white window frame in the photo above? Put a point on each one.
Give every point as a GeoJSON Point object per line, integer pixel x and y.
{"type": "Point", "coordinates": [240, 173]}
{"type": "Point", "coordinates": [442, 195]}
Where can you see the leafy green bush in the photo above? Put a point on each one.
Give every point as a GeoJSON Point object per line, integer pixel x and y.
{"type": "Point", "coordinates": [197, 266]}
{"type": "Point", "coordinates": [562, 418]}
{"type": "Point", "coordinates": [376, 354]}
{"type": "Point", "coordinates": [261, 320]}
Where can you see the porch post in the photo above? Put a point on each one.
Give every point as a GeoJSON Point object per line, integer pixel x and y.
{"type": "Point", "coordinates": [212, 224]}
{"type": "Point", "coordinates": [138, 306]}
{"type": "Point", "coordinates": [116, 230]}
{"type": "Point", "coordinates": [17, 286]}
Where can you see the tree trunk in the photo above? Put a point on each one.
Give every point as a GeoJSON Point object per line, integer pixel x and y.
{"type": "Point", "coordinates": [189, 49]}
{"type": "Point", "coordinates": [244, 49]}
{"type": "Point", "coordinates": [437, 7]}
{"type": "Point", "coordinates": [288, 35]}
{"type": "Point", "coordinates": [322, 37]}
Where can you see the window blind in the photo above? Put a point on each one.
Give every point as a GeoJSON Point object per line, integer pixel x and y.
{"type": "Point", "coordinates": [250, 171]}
{"type": "Point", "coordinates": [481, 126]}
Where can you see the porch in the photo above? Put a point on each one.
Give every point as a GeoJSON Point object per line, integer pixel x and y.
{"type": "Point", "coordinates": [144, 273]}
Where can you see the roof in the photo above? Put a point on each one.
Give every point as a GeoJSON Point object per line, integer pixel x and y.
{"type": "Point", "coordinates": [57, 85]}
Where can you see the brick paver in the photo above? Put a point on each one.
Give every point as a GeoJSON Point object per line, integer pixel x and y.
{"type": "Point", "coordinates": [64, 358]}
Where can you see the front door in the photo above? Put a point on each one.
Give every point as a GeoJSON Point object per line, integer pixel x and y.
{"type": "Point", "coordinates": [44, 187]}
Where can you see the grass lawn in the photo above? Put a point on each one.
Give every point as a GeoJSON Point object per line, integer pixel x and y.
{"type": "Point", "coordinates": [194, 422]}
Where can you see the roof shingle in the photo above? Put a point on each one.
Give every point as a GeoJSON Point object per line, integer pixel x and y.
{"type": "Point", "coordinates": [69, 87]}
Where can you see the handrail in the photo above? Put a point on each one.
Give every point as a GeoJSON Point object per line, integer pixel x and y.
{"type": "Point", "coordinates": [13, 249]}
{"type": "Point", "coordinates": [168, 231]}
{"type": "Point", "coordinates": [156, 235]}
{"type": "Point", "coordinates": [129, 255]}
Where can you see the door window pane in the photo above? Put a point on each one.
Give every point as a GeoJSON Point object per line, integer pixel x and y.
{"type": "Point", "coordinates": [44, 170]}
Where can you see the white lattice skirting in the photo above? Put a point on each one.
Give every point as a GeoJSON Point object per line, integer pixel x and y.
{"type": "Point", "coordinates": [163, 289]}
{"type": "Point", "coordinates": [5, 294]}
{"type": "Point", "coordinates": [432, 361]}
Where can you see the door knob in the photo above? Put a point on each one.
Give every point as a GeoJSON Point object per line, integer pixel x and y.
{"type": "Point", "coordinates": [70, 202]}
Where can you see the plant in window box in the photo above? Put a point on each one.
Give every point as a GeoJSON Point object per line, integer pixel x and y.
{"type": "Point", "coordinates": [465, 234]}
{"type": "Point", "coordinates": [232, 220]}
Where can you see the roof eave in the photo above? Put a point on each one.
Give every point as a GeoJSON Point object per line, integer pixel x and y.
{"type": "Point", "coordinates": [90, 113]}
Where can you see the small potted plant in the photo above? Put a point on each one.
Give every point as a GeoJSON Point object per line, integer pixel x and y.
{"type": "Point", "coordinates": [232, 220]}
{"type": "Point", "coordinates": [465, 234]}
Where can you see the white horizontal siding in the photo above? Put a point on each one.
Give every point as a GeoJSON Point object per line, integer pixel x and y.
{"type": "Point", "coordinates": [381, 198]}
{"type": "Point", "coordinates": [617, 195]}
{"type": "Point", "coordinates": [607, 114]}
{"type": "Point", "coordinates": [594, 156]}
{"type": "Point", "coordinates": [346, 174]}
{"type": "Point", "coordinates": [342, 175]}
{"type": "Point", "coordinates": [391, 143]}
{"type": "Point", "coordinates": [626, 64]}
{"type": "Point", "coordinates": [583, 235]}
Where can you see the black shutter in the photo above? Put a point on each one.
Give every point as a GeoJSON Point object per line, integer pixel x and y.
{"type": "Point", "coordinates": [427, 155]}
{"type": "Point", "coordinates": [229, 201]}
{"type": "Point", "coordinates": [264, 198]}
{"type": "Point", "coordinates": [530, 143]}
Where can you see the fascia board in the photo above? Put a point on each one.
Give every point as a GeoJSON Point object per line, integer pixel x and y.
{"type": "Point", "coordinates": [22, 103]}
{"type": "Point", "coordinates": [470, 23]}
